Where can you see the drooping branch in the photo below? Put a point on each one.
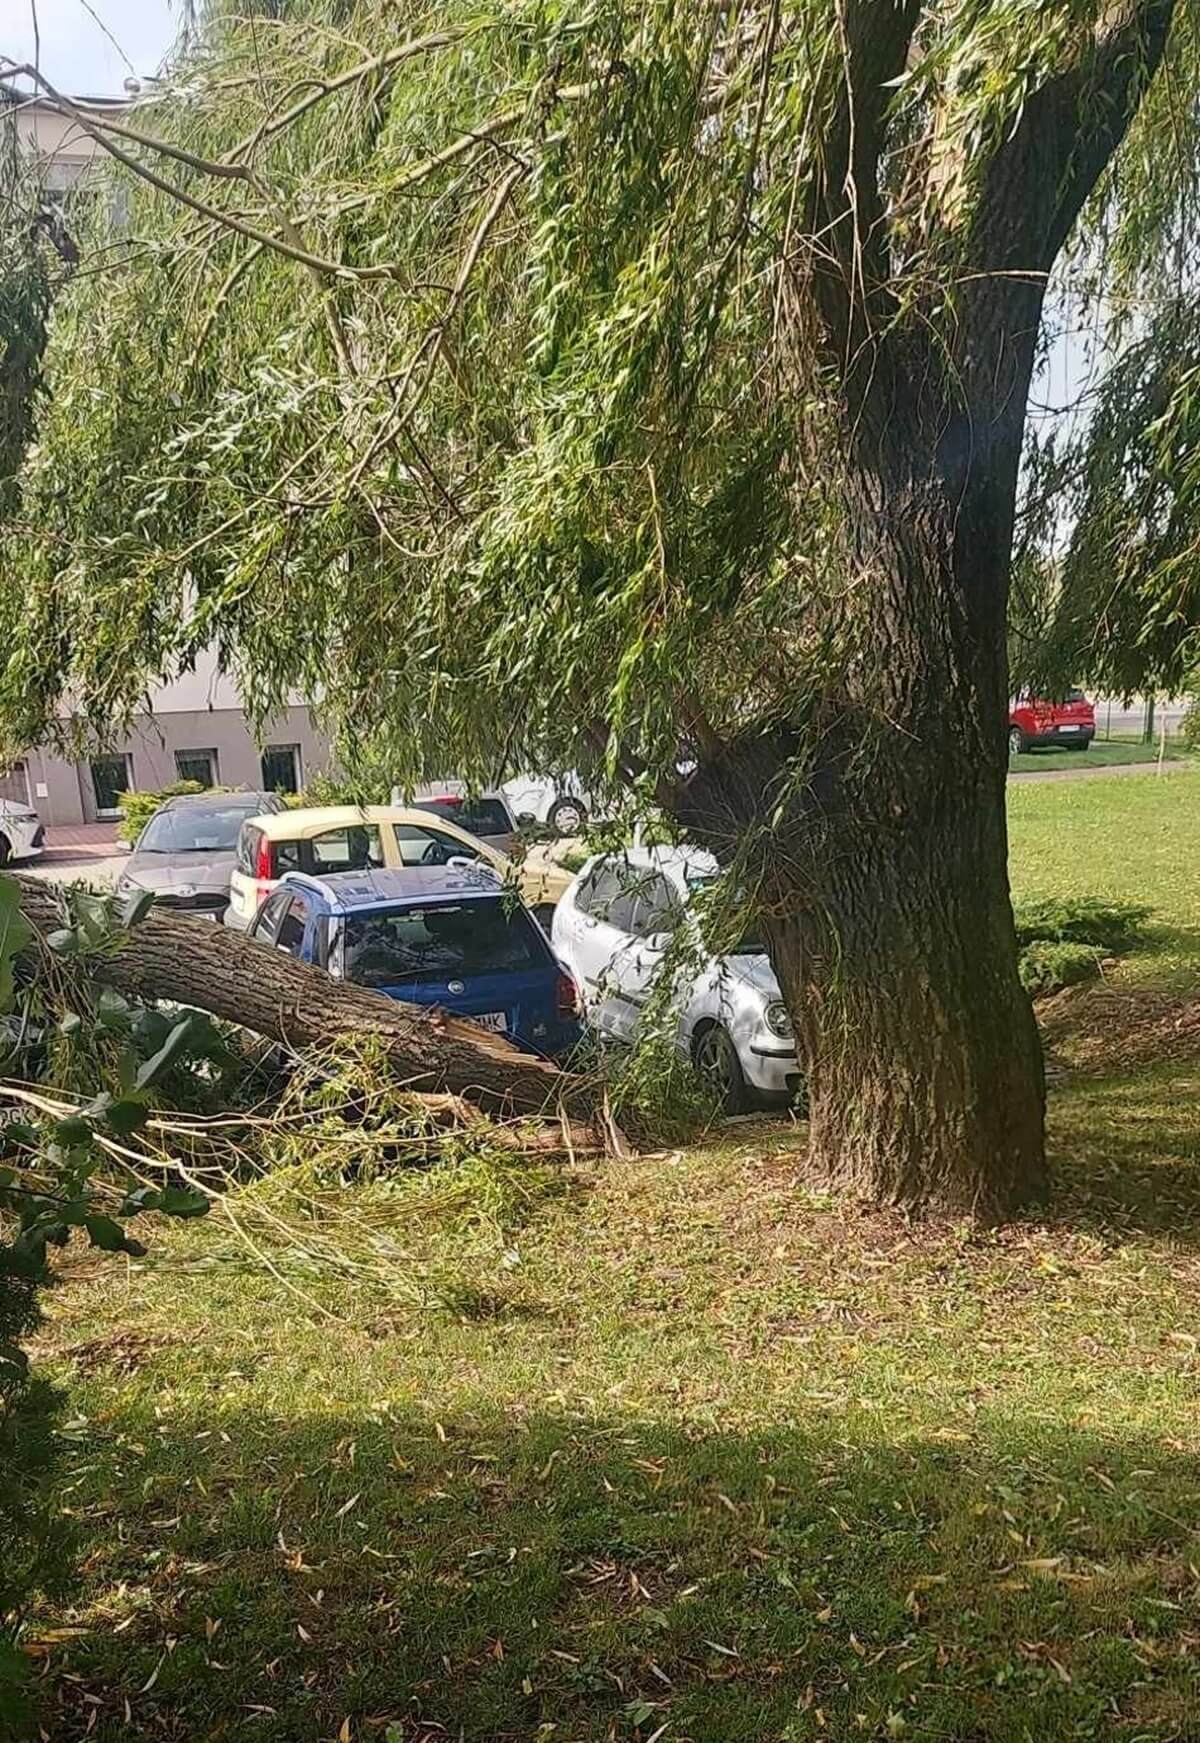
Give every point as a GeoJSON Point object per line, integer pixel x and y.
{"type": "Point", "coordinates": [1042, 172]}
{"type": "Point", "coordinates": [847, 227]}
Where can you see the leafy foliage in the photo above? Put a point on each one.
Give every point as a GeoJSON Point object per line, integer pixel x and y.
{"type": "Point", "coordinates": [524, 446]}
{"type": "Point", "coordinates": [1189, 728]}
{"type": "Point", "coordinates": [1046, 965]}
{"type": "Point", "coordinates": [58, 1177]}
{"type": "Point", "coordinates": [1064, 940]}
{"type": "Point", "coordinates": [1107, 925]}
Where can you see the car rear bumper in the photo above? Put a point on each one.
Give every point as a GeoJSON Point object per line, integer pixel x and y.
{"type": "Point", "coordinates": [1059, 735]}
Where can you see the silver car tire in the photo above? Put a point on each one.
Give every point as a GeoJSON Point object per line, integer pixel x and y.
{"type": "Point", "coordinates": [715, 1058]}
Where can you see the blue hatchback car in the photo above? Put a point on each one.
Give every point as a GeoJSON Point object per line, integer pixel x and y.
{"type": "Point", "coordinates": [451, 936]}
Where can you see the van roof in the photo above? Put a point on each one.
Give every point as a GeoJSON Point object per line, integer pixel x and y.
{"type": "Point", "coordinates": [299, 824]}
{"type": "Point", "coordinates": [356, 891]}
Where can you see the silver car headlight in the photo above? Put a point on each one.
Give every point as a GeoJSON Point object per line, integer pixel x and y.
{"type": "Point", "coordinates": [777, 1020]}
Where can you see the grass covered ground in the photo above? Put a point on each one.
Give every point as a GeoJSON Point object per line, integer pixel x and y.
{"type": "Point", "coordinates": [677, 1449]}
{"type": "Point", "coordinates": [1102, 753]}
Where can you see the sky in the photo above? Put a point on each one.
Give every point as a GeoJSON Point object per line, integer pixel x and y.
{"type": "Point", "coordinates": [75, 53]}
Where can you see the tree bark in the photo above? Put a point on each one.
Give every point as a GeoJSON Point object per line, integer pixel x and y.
{"type": "Point", "coordinates": [881, 867]}
{"type": "Point", "coordinates": [897, 954]}
{"type": "Point", "coordinates": [171, 956]}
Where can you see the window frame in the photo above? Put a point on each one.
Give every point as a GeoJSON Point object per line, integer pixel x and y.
{"type": "Point", "coordinates": [214, 776]}
{"type": "Point", "coordinates": [292, 750]}
{"type": "Point", "coordinates": [297, 902]}
{"type": "Point", "coordinates": [106, 813]}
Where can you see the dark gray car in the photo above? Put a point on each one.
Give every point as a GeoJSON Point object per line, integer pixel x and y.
{"type": "Point", "coordinates": [187, 851]}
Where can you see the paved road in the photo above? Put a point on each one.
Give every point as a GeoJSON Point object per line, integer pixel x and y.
{"type": "Point", "coordinates": [64, 869]}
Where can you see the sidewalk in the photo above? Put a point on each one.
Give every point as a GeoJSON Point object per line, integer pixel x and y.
{"type": "Point", "coordinates": [83, 841]}
{"type": "Point", "coordinates": [86, 852]}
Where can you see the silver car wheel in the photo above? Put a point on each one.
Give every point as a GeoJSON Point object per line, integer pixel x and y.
{"type": "Point", "coordinates": [718, 1065]}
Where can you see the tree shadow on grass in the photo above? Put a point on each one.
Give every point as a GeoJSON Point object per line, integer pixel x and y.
{"type": "Point", "coordinates": [1125, 1153]}
{"type": "Point", "coordinates": [545, 1576]}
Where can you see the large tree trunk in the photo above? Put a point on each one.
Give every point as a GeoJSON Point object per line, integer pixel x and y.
{"type": "Point", "coordinates": [171, 956]}
{"type": "Point", "coordinates": [884, 888]}
{"type": "Point", "coordinates": [897, 955]}
{"type": "Point", "coordinates": [925, 1068]}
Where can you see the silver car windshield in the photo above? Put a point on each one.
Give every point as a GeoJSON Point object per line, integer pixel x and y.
{"type": "Point", "coordinates": [189, 831]}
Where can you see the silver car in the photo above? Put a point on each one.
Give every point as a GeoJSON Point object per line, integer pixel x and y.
{"type": "Point", "coordinates": [187, 851]}
{"type": "Point", "coordinates": [614, 927]}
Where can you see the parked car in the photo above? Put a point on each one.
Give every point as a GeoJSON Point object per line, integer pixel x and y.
{"type": "Point", "coordinates": [613, 929]}
{"type": "Point", "coordinates": [1070, 723]}
{"type": "Point", "coordinates": [488, 818]}
{"type": "Point", "coordinates": [340, 838]}
{"type": "Point", "coordinates": [446, 935]}
{"type": "Point", "coordinates": [187, 852]}
{"type": "Point", "coordinates": [562, 805]}
{"type": "Point", "coordinates": [21, 833]}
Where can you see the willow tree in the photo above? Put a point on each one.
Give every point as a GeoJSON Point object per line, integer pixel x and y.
{"type": "Point", "coordinates": [638, 385]}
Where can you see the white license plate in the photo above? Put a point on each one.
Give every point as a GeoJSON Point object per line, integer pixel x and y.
{"type": "Point", "coordinates": [1070, 729]}
{"type": "Point", "coordinates": [495, 1020]}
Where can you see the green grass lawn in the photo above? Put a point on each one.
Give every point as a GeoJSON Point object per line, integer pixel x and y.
{"type": "Point", "coordinates": [1102, 753]}
{"type": "Point", "coordinates": [684, 1450]}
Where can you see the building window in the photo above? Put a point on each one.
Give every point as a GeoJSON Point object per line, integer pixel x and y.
{"type": "Point", "coordinates": [14, 784]}
{"type": "Point", "coordinates": [110, 778]}
{"type": "Point", "coordinates": [281, 768]}
{"type": "Point", "coordinates": [197, 765]}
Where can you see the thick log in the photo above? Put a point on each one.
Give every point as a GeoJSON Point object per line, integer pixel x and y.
{"type": "Point", "coordinates": [192, 962]}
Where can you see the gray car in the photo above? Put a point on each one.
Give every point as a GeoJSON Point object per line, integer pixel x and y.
{"type": "Point", "coordinates": [187, 851]}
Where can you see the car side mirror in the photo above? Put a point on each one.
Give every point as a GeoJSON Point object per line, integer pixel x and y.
{"type": "Point", "coordinates": [525, 819]}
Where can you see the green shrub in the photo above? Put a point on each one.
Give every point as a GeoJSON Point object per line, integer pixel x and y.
{"type": "Point", "coordinates": [138, 808]}
{"type": "Point", "coordinates": [1064, 941]}
{"type": "Point", "coordinates": [1189, 727]}
{"type": "Point", "coordinates": [1106, 926]}
{"type": "Point", "coordinates": [35, 1547]}
{"type": "Point", "coordinates": [1048, 964]}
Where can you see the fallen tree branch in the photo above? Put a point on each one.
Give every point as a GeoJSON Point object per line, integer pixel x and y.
{"type": "Point", "coordinates": [192, 962]}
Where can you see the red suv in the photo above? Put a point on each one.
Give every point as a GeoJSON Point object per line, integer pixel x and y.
{"type": "Point", "coordinates": [1070, 723]}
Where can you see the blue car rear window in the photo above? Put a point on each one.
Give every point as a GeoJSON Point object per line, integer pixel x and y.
{"type": "Point", "coordinates": [442, 941]}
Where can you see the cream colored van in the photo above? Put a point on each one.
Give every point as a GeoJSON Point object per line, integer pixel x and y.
{"type": "Point", "coordinates": [333, 838]}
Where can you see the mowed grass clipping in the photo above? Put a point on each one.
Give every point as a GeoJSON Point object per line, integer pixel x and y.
{"type": "Point", "coordinates": [685, 1450]}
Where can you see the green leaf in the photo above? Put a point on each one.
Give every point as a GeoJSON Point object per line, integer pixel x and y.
{"type": "Point", "coordinates": [135, 908]}
{"type": "Point", "coordinates": [123, 1115]}
{"type": "Point", "coordinates": [112, 1011]}
{"type": "Point", "coordinates": [21, 1132]}
{"type": "Point", "coordinates": [110, 1237]}
{"type": "Point", "coordinates": [64, 942]}
{"type": "Point", "coordinates": [140, 1199]}
{"type": "Point", "coordinates": [93, 916]}
{"type": "Point", "coordinates": [73, 1132]}
{"type": "Point", "coordinates": [183, 1201]}
{"type": "Point", "coordinates": [172, 1049]}
{"type": "Point", "coordinates": [71, 1024]}
{"type": "Point", "coordinates": [13, 1357]}
{"type": "Point", "coordinates": [15, 935]}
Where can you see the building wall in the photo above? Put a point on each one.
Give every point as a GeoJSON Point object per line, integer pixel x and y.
{"type": "Point", "coordinates": [63, 791]}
